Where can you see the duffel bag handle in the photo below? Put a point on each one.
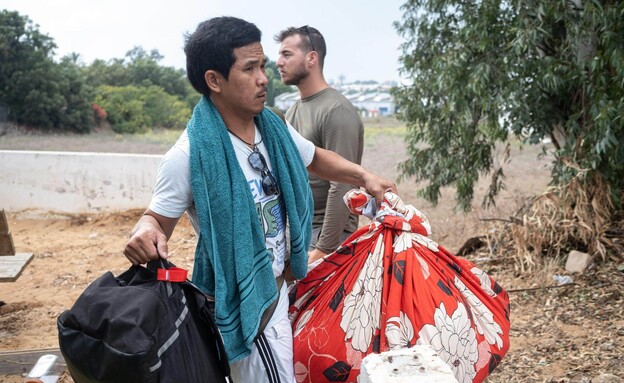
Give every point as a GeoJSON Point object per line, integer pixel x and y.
{"type": "Point", "coordinates": [166, 271]}
{"type": "Point", "coordinates": [172, 274]}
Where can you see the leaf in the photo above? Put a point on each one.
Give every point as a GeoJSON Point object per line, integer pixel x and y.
{"type": "Point", "coordinates": [444, 288]}
{"type": "Point", "coordinates": [308, 302]}
{"type": "Point", "coordinates": [455, 267]}
{"type": "Point", "coordinates": [376, 344]}
{"type": "Point", "coordinates": [337, 298]}
{"type": "Point", "coordinates": [497, 288]}
{"type": "Point", "coordinates": [337, 372]}
{"type": "Point", "coordinates": [398, 270]}
{"type": "Point", "coordinates": [494, 362]}
{"type": "Point", "coordinates": [346, 250]}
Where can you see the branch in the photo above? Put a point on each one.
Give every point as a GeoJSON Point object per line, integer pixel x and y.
{"type": "Point", "coordinates": [541, 288]}
{"type": "Point", "coordinates": [512, 220]}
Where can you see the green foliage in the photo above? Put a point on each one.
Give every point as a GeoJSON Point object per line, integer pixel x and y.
{"type": "Point", "coordinates": [38, 91]}
{"type": "Point", "coordinates": [140, 69]}
{"type": "Point", "coordinates": [537, 69]}
{"type": "Point", "coordinates": [112, 73]}
{"type": "Point", "coordinates": [145, 71]}
{"type": "Point", "coordinates": [76, 112]}
{"type": "Point", "coordinates": [275, 86]}
{"type": "Point", "coordinates": [136, 91]}
{"type": "Point", "coordinates": [123, 108]}
{"type": "Point", "coordinates": [574, 53]}
{"type": "Point", "coordinates": [132, 109]}
{"type": "Point", "coordinates": [164, 110]}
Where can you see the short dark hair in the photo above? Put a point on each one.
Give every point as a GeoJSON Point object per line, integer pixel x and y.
{"type": "Point", "coordinates": [211, 47]}
{"type": "Point", "coordinates": [312, 38]}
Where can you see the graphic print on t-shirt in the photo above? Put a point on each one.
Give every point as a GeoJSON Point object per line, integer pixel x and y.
{"type": "Point", "coordinates": [271, 216]}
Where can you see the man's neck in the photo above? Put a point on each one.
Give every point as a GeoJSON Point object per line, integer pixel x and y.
{"type": "Point", "coordinates": [243, 128]}
{"type": "Point", "coordinates": [239, 123]}
{"type": "Point", "coordinates": [313, 84]}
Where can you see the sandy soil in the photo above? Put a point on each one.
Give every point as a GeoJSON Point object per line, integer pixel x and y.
{"type": "Point", "coordinates": [571, 334]}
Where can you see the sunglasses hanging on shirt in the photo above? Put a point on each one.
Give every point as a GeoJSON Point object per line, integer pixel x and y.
{"type": "Point", "coordinates": [259, 164]}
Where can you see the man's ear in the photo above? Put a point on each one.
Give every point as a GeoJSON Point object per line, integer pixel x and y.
{"type": "Point", "coordinates": [312, 58]}
{"type": "Point", "coordinates": [213, 80]}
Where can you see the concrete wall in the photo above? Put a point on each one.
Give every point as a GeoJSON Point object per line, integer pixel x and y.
{"type": "Point", "coordinates": [76, 182]}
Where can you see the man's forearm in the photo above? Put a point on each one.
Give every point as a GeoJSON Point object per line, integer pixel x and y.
{"type": "Point", "coordinates": [163, 224]}
{"type": "Point", "coordinates": [333, 167]}
{"type": "Point", "coordinates": [145, 220]}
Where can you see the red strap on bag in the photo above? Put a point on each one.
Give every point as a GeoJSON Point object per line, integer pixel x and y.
{"type": "Point", "coordinates": [172, 274]}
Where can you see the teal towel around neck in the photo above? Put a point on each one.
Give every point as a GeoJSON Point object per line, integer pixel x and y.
{"type": "Point", "coordinates": [231, 260]}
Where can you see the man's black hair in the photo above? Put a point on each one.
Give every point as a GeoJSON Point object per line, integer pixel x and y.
{"type": "Point", "coordinates": [211, 47]}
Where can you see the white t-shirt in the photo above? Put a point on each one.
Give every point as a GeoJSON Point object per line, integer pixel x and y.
{"type": "Point", "coordinates": [173, 195]}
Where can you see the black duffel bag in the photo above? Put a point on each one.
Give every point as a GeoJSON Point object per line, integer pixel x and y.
{"type": "Point", "coordinates": [135, 328]}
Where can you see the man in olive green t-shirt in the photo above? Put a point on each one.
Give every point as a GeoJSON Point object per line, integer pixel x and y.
{"type": "Point", "coordinates": [329, 120]}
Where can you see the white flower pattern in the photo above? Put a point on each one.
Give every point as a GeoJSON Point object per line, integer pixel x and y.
{"type": "Point", "coordinates": [486, 282]}
{"type": "Point", "coordinates": [483, 317]}
{"type": "Point", "coordinates": [302, 321]}
{"type": "Point", "coordinates": [426, 242]}
{"type": "Point", "coordinates": [454, 340]}
{"type": "Point", "coordinates": [399, 332]}
{"type": "Point", "coordinates": [424, 267]}
{"type": "Point", "coordinates": [362, 306]}
{"type": "Point", "coordinates": [403, 242]}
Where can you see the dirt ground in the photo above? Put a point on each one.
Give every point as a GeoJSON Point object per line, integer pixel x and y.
{"type": "Point", "coordinates": [569, 334]}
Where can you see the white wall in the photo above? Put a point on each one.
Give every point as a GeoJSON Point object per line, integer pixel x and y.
{"type": "Point", "coordinates": [76, 182]}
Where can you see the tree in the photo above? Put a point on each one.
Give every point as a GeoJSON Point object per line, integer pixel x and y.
{"type": "Point", "coordinates": [140, 68]}
{"type": "Point", "coordinates": [482, 69]}
{"type": "Point", "coordinates": [24, 64]}
{"type": "Point", "coordinates": [76, 113]}
{"type": "Point", "coordinates": [112, 72]}
{"type": "Point", "coordinates": [39, 92]}
{"type": "Point", "coordinates": [145, 70]}
{"type": "Point", "coordinates": [275, 86]}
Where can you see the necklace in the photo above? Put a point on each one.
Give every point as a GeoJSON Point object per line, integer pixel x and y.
{"type": "Point", "coordinates": [251, 145]}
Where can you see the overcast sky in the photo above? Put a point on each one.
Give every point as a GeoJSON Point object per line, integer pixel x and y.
{"type": "Point", "coordinates": [362, 44]}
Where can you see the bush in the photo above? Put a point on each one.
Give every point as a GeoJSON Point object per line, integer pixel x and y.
{"type": "Point", "coordinates": [165, 110]}
{"type": "Point", "coordinates": [132, 109]}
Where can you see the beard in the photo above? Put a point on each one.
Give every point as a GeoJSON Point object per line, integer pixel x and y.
{"type": "Point", "coordinates": [297, 76]}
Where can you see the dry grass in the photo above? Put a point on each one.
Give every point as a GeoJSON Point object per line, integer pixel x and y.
{"type": "Point", "coordinates": [577, 216]}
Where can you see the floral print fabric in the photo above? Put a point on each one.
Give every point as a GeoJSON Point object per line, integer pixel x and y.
{"type": "Point", "coordinates": [390, 286]}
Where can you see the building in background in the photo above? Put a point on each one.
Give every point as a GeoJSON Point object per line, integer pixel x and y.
{"type": "Point", "coordinates": [283, 101]}
{"type": "Point", "coordinates": [370, 98]}
{"type": "Point", "coordinates": [373, 104]}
